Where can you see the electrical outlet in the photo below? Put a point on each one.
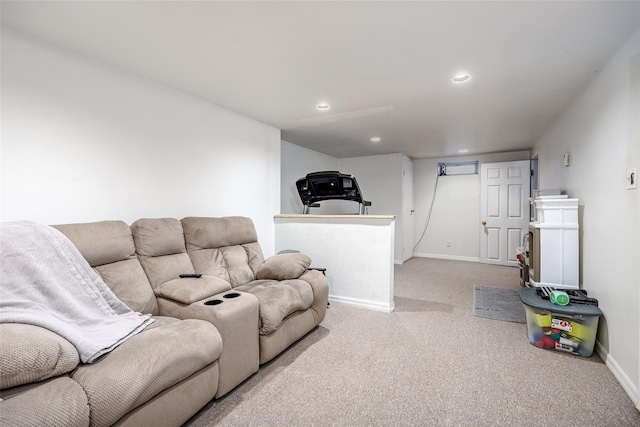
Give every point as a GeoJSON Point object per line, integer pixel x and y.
{"type": "Point", "coordinates": [632, 179]}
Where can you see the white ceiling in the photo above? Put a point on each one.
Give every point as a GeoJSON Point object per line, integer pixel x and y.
{"type": "Point", "coordinates": [385, 67]}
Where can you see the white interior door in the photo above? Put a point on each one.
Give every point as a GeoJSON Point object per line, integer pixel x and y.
{"type": "Point", "coordinates": [504, 210]}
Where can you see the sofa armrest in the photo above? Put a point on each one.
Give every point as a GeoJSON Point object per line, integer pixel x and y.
{"type": "Point", "coordinates": [320, 287]}
{"type": "Point", "coordinates": [190, 290]}
{"type": "Point", "coordinates": [58, 401]}
{"type": "Point", "coordinates": [284, 266]}
{"type": "Point", "coordinates": [30, 353]}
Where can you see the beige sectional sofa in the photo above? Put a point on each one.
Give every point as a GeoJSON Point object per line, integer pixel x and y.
{"type": "Point", "coordinates": [210, 333]}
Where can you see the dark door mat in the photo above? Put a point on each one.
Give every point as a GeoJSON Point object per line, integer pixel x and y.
{"type": "Point", "coordinates": [498, 303]}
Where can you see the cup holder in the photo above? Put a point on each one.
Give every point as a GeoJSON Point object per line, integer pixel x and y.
{"type": "Point", "coordinates": [213, 302]}
{"type": "Point", "coordinates": [231, 295]}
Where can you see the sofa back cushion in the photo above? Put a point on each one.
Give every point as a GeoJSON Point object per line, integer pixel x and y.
{"type": "Point", "coordinates": [108, 248]}
{"type": "Point", "coordinates": [160, 245]}
{"type": "Point", "coordinates": [224, 247]}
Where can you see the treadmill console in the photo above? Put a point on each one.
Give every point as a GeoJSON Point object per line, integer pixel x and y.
{"type": "Point", "coordinates": [329, 185]}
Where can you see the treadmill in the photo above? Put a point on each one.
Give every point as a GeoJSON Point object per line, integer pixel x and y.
{"type": "Point", "coordinates": [329, 185]}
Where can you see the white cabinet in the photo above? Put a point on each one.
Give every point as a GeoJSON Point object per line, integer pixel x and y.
{"type": "Point", "coordinates": [554, 243]}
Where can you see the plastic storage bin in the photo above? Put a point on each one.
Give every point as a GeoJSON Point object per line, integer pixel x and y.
{"type": "Point", "coordinates": [571, 328]}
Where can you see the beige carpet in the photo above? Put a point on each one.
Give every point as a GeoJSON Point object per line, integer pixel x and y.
{"type": "Point", "coordinates": [429, 363]}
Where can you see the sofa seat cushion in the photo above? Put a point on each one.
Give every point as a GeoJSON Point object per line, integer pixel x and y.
{"type": "Point", "coordinates": [57, 402]}
{"type": "Point", "coordinates": [284, 266]}
{"type": "Point", "coordinates": [278, 299]}
{"type": "Point", "coordinates": [161, 356]}
{"type": "Point", "coordinates": [190, 290]}
{"type": "Point", "coordinates": [30, 353]}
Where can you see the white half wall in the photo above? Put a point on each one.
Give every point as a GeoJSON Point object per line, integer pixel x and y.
{"type": "Point", "coordinates": [355, 250]}
{"type": "Point", "coordinates": [83, 141]}
{"type": "Point", "coordinates": [601, 131]}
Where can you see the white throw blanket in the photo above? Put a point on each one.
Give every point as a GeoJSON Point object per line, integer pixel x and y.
{"type": "Point", "coordinates": [45, 281]}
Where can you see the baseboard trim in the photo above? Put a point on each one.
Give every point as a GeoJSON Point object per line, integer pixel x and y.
{"type": "Point", "coordinates": [621, 376]}
{"type": "Point", "coordinates": [372, 305]}
{"type": "Point", "coordinates": [449, 257]}
{"type": "Point", "coordinates": [402, 261]}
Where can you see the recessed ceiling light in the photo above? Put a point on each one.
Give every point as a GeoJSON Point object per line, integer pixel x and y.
{"type": "Point", "coordinates": [375, 139]}
{"type": "Point", "coordinates": [323, 106]}
{"type": "Point", "coordinates": [463, 150]}
{"type": "Point", "coordinates": [461, 78]}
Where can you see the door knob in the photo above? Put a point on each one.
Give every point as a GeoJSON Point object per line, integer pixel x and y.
{"type": "Point", "coordinates": [484, 222]}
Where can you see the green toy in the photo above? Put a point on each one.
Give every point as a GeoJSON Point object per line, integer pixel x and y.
{"type": "Point", "coordinates": [559, 297]}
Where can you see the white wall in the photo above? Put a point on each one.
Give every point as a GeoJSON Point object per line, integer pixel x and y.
{"type": "Point", "coordinates": [380, 180]}
{"type": "Point", "coordinates": [601, 131]}
{"type": "Point", "coordinates": [82, 141]}
{"type": "Point", "coordinates": [297, 162]}
{"type": "Point", "coordinates": [455, 215]}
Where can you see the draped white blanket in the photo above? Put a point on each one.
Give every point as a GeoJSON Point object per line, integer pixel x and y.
{"type": "Point", "coordinates": [45, 281]}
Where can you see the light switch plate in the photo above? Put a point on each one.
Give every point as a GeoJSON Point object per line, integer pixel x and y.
{"type": "Point", "coordinates": [632, 179]}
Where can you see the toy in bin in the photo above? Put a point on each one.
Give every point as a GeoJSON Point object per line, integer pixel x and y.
{"type": "Point", "coordinates": [569, 328]}
{"type": "Point", "coordinates": [575, 296]}
{"type": "Point", "coordinates": [559, 297]}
